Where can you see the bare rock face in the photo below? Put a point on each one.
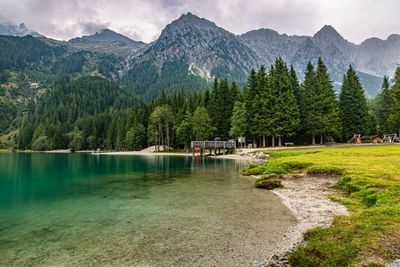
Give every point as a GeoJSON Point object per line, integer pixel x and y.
{"type": "Point", "coordinates": [205, 48]}
{"type": "Point", "coordinates": [373, 58]}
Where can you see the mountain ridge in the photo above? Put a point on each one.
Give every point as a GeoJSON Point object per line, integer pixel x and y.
{"type": "Point", "coordinates": [195, 48]}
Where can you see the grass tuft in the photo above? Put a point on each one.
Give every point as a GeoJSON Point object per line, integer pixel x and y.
{"type": "Point", "coordinates": [325, 170]}
{"type": "Point", "coordinates": [269, 181]}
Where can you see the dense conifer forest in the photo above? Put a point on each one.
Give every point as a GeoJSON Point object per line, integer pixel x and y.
{"type": "Point", "coordinates": [89, 112]}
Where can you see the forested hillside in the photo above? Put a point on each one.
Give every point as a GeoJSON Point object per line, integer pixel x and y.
{"type": "Point", "coordinates": [274, 107]}
{"type": "Point", "coordinates": [29, 66]}
{"type": "Point", "coordinates": [49, 122]}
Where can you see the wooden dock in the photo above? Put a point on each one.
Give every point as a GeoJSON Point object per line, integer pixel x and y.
{"type": "Point", "coordinates": [213, 146]}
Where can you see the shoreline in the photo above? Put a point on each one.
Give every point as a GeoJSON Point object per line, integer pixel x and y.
{"type": "Point", "coordinates": [307, 197]}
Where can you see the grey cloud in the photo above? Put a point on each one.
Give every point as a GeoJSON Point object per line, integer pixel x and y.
{"type": "Point", "coordinates": [144, 19]}
{"type": "Point", "coordinates": [90, 27]}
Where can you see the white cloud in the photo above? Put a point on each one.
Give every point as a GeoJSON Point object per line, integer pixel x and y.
{"type": "Point", "coordinates": [143, 20]}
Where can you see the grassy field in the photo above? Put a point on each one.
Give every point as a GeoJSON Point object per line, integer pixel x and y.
{"type": "Point", "coordinates": [370, 188]}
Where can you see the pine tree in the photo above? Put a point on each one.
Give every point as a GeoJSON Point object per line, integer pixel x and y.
{"type": "Point", "coordinates": [135, 137]}
{"type": "Point", "coordinates": [385, 103]}
{"type": "Point", "coordinates": [283, 107]}
{"type": "Point", "coordinates": [295, 84]}
{"type": "Point", "coordinates": [394, 117]}
{"type": "Point", "coordinates": [250, 94]}
{"type": "Point", "coordinates": [239, 120]}
{"type": "Point", "coordinates": [262, 105]}
{"type": "Point", "coordinates": [121, 134]}
{"type": "Point", "coordinates": [329, 106]}
{"type": "Point", "coordinates": [309, 105]}
{"type": "Point", "coordinates": [353, 105]}
{"type": "Point", "coordinates": [221, 106]}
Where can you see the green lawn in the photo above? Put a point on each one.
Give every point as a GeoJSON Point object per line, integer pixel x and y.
{"type": "Point", "coordinates": [370, 183]}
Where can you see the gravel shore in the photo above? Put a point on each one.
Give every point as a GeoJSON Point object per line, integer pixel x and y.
{"type": "Point", "coordinates": [308, 199]}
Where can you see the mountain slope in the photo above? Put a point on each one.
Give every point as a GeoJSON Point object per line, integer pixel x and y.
{"type": "Point", "coordinates": [373, 58]}
{"type": "Point", "coordinates": [107, 40]}
{"type": "Point", "coordinates": [379, 57]}
{"type": "Point", "coordinates": [196, 47]}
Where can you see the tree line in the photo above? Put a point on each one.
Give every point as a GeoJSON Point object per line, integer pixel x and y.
{"type": "Point", "coordinates": [274, 107]}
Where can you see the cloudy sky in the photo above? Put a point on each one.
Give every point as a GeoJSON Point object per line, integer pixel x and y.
{"type": "Point", "coordinates": [143, 20]}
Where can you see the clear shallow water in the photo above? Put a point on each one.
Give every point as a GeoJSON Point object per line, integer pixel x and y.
{"type": "Point", "coordinates": [79, 209]}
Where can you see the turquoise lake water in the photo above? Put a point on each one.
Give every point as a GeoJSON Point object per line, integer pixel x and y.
{"type": "Point", "coordinates": [91, 210]}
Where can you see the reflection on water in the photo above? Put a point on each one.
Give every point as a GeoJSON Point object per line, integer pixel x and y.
{"type": "Point", "coordinates": [80, 209]}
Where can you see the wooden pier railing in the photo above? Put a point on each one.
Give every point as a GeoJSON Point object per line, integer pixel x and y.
{"type": "Point", "coordinates": [201, 146]}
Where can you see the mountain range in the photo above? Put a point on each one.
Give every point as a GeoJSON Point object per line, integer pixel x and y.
{"type": "Point", "coordinates": [190, 51]}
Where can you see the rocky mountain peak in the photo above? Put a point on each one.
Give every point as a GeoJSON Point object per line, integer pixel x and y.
{"type": "Point", "coordinates": [186, 23]}
{"type": "Point", "coordinates": [328, 33]}
{"type": "Point", "coordinates": [199, 46]}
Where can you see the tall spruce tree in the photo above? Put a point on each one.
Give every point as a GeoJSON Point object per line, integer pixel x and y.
{"type": "Point", "coordinates": [222, 100]}
{"type": "Point", "coordinates": [295, 85]}
{"type": "Point", "coordinates": [353, 105]}
{"type": "Point", "coordinates": [239, 123]}
{"type": "Point", "coordinates": [262, 123]}
{"type": "Point", "coordinates": [394, 117]}
{"type": "Point", "coordinates": [319, 107]}
{"type": "Point", "coordinates": [283, 107]}
{"type": "Point", "coordinates": [250, 94]}
{"type": "Point", "coordinates": [385, 103]}
{"type": "Point", "coordinates": [310, 104]}
{"type": "Point", "coordinates": [329, 106]}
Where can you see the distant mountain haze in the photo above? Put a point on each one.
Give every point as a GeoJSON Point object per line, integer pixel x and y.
{"type": "Point", "coordinates": [20, 30]}
{"type": "Point", "coordinates": [190, 51]}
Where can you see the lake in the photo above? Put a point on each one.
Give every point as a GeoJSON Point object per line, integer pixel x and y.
{"type": "Point", "coordinates": [83, 209]}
